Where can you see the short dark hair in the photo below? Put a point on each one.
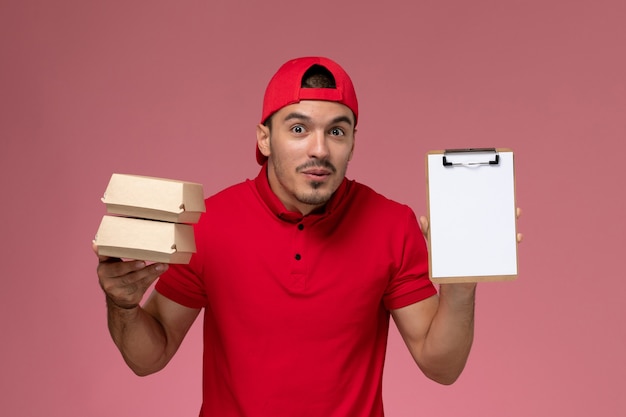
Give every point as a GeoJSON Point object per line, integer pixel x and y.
{"type": "Point", "coordinates": [318, 77]}
{"type": "Point", "coordinates": [315, 77]}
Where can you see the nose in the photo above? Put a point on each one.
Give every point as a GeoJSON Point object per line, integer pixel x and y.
{"type": "Point", "coordinates": [318, 148]}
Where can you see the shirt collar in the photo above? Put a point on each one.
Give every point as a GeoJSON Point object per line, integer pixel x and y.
{"type": "Point", "coordinates": [277, 207]}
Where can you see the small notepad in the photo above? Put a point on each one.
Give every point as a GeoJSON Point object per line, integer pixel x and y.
{"type": "Point", "coordinates": [472, 214]}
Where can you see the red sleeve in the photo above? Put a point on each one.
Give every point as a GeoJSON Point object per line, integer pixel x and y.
{"type": "Point", "coordinates": [183, 284]}
{"type": "Point", "coordinates": [410, 283]}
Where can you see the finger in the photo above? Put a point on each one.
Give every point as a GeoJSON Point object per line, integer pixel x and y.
{"type": "Point", "coordinates": [129, 289]}
{"type": "Point", "coordinates": [131, 271]}
{"type": "Point", "coordinates": [520, 237]}
{"type": "Point", "coordinates": [518, 212]}
{"type": "Point", "coordinates": [147, 272]}
{"type": "Point", "coordinates": [424, 224]}
{"type": "Point", "coordinates": [129, 295]}
{"type": "Point", "coordinates": [102, 258]}
{"type": "Point", "coordinates": [94, 247]}
{"type": "Point", "coordinates": [114, 267]}
{"type": "Point", "coordinates": [137, 282]}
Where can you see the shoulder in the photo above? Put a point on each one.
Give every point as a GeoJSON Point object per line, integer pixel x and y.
{"type": "Point", "coordinates": [372, 200]}
{"type": "Point", "coordinates": [368, 208]}
{"type": "Point", "coordinates": [229, 203]}
{"type": "Point", "coordinates": [243, 190]}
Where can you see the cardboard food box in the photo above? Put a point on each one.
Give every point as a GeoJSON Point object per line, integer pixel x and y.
{"type": "Point", "coordinates": [148, 240]}
{"type": "Point", "coordinates": [154, 198]}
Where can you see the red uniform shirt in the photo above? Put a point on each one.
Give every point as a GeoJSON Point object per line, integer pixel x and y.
{"type": "Point", "coordinates": [297, 307]}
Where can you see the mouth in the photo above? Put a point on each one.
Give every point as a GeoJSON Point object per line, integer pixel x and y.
{"type": "Point", "coordinates": [318, 173]}
{"type": "Point", "coordinates": [317, 170]}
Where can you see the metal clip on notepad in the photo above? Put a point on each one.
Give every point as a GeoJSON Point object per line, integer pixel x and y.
{"type": "Point", "coordinates": [451, 152]}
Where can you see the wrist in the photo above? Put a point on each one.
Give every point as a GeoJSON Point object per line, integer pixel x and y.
{"type": "Point", "coordinates": [460, 289]}
{"type": "Point", "coordinates": [112, 304]}
{"type": "Point", "coordinates": [458, 294]}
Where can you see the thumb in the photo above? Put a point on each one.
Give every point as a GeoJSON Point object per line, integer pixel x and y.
{"type": "Point", "coordinates": [101, 258]}
{"type": "Point", "coordinates": [424, 225]}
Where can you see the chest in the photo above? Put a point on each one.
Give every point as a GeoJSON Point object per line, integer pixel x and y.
{"type": "Point", "coordinates": [310, 276]}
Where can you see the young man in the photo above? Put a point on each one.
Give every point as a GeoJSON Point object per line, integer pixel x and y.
{"type": "Point", "coordinates": [298, 272]}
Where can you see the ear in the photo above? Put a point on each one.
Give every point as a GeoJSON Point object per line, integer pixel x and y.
{"type": "Point", "coordinates": [353, 143]}
{"type": "Point", "coordinates": [263, 139]}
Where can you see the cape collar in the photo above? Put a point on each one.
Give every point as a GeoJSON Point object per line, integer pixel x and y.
{"type": "Point", "coordinates": [277, 207]}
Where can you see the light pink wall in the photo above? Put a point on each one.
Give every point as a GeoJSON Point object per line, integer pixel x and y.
{"type": "Point", "coordinates": [173, 89]}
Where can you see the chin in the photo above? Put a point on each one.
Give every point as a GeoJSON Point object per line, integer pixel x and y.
{"type": "Point", "coordinates": [315, 199]}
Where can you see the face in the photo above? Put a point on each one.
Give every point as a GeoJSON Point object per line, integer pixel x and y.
{"type": "Point", "coordinates": [308, 145]}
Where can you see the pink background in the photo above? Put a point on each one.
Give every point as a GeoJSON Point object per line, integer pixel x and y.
{"type": "Point", "coordinates": [174, 89]}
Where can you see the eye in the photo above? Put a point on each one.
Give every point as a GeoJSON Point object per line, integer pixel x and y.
{"type": "Point", "coordinates": [335, 131]}
{"type": "Point", "coordinates": [297, 129]}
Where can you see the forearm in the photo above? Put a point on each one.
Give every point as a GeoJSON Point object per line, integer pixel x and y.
{"type": "Point", "coordinates": [449, 339]}
{"type": "Point", "coordinates": [140, 338]}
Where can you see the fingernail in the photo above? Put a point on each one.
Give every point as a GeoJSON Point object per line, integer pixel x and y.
{"type": "Point", "coordinates": [139, 264]}
{"type": "Point", "coordinates": [160, 267]}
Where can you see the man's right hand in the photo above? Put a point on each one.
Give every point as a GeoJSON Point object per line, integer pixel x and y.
{"type": "Point", "coordinates": [126, 282]}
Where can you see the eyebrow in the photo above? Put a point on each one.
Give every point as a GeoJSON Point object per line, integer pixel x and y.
{"type": "Point", "coordinates": [300, 116]}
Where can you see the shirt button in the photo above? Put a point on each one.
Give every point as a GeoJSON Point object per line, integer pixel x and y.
{"type": "Point", "coordinates": [298, 257]}
{"type": "Point", "coordinates": [300, 226]}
